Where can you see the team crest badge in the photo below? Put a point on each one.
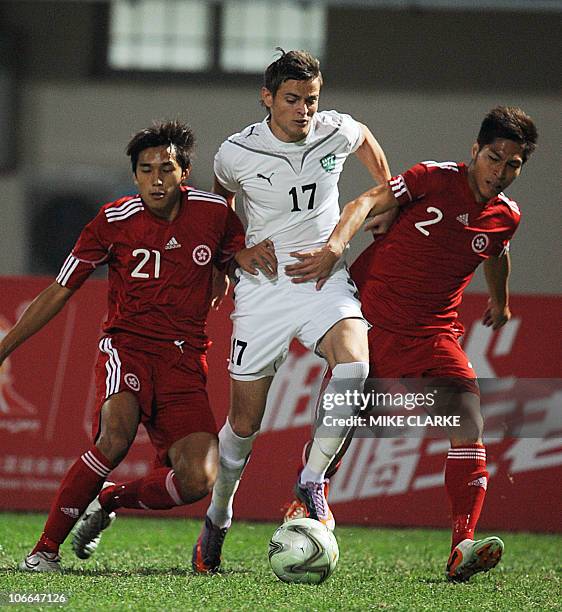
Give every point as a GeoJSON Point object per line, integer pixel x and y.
{"type": "Point", "coordinates": [480, 242]}
{"type": "Point", "coordinates": [328, 162]}
{"type": "Point", "coordinates": [132, 382]}
{"type": "Point", "coordinates": [201, 255]}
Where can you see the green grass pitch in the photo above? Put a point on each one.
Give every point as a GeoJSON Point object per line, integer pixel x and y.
{"type": "Point", "coordinates": [144, 564]}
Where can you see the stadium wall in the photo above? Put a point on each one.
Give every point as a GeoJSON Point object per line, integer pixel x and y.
{"type": "Point", "coordinates": [47, 399]}
{"type": "Point", "coordinates": [421, 80]}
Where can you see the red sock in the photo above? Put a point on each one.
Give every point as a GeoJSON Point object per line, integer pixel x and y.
{"type": "Point", "coordinates": [466, 480]}
{"type": "Point", "coordinates": [79, 487]}
{"type": "Point", "coordinates": [158, 490]}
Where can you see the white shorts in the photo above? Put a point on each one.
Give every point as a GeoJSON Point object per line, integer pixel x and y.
{"type": "Point", "coordinates": [268, 314]}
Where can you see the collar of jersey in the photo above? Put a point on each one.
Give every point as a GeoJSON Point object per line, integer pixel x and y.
{"type": "Point", "coordinates": [183, 203]}
{"type": "Point", "coordinates": [290, 146]}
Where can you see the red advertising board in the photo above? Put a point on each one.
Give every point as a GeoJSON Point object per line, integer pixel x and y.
{"type": "Point", "coordinates": [47, 395]}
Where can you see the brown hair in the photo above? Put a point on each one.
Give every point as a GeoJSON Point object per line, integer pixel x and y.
{"type": "Point", "coordinates": [512, 123]}
{"type": "Point", "coordinates": [292, 65]}
{"type": "Point", "coordinates": [174, 133]}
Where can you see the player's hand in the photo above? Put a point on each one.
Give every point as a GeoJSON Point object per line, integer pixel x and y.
{"type": "Point", "coordinates": [313, 265]}
{"type": "Point", "coordinates": [379, 224]}
{"type": "Point", "coordinates": [221, 284]}
{"type": "Point", "coordinates": [260, 257]}
{"type": "Point", "coordinates": [496, 316]}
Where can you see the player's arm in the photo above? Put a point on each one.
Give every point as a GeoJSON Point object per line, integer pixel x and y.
{"type": "Point", "coordinates": [381, 223]}
{"type": "Point", "coordinates": [224, 192]}
{"type": "Point", "coordinates": [496, 271]}
{"type": "Point", "coordinates": [221, 281]}
{"type": "Point", "coordinates": [43, 308]}
{"type": "Point", "coordinates": [318, 264]}
{"type": "Point", "coordinates": [260, 257]}
{"type": "Point", "coordinates": [371, 155]}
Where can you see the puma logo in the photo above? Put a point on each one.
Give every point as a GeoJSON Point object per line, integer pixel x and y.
{"type": "Point", "coordinates": [266, 178]}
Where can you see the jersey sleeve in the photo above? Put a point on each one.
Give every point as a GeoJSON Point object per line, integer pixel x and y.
{"type": "Point", "coordinates": [508, 227]}
{"type": "Point", "coordinates": [232, 241]}
{"type": "Point", "coordinates": [410, 185]}
{"type": "Point", "coordinates": [90, 251]}
{"type": "Point", "coordinates": [502, 246]}
{"type": "Point", "coordinates": [224, 167]}
{"type": "Point", "coordinates": [351, 130]}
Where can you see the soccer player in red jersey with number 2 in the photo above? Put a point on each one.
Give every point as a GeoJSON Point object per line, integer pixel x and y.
{"type": "Point", "coordinates": [160, 248]}
{"type": "Point", "coordinates": [452, 217]}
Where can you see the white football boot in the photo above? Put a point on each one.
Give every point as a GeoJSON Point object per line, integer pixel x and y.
{"type": "Point", "coordinates": [87, 532]}
{"type": "Point", "coordinates": [41, 562]}
{"type": "Point", "coordinates": [472, 556]}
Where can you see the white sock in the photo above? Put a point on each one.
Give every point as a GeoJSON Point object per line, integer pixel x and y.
{"type": "Point", "coordinates": [233, 451]}
{"type": "Point", "coordinates": [328, 440]}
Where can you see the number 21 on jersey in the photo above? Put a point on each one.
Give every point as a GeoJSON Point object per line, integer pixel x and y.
{"type": "Point", "coordinates": [144, 263]}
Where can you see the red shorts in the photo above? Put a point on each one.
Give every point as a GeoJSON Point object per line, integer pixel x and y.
{"type": "Point", "coordinates": [169, 382]}
{"type": "Point", "coordinates": [439, 356]}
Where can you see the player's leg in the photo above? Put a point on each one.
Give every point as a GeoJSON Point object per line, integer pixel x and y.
{"type": "Point", "coordinates": [466, 477]}
{"type": "Point", "coordinates": [335, 328]}
{"type": "Point", "coordinates": [381, 345]}
{"type": "Point", "coordinates": [345, 348]}
{"type": "Point", "coordinates": [123, 376]}
{"type": "Point", "coordinates": [189, 477]}
{"type": "Point", "coordinates": [297, 509]}
{"type": "Point", "coordinates": [248, 400]}
{"type": "Point", "coordinates": [262, 330]}
{"type": "Point", "coordinates": [182, 429]}
{"type": "Point", "coordinates": [466, 482]}
{"type": "Point", "coordinates": [118, 424]}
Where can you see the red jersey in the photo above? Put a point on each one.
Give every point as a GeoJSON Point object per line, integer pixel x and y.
{"type": "Point", "coordinates": [412, 279]}
{"type": "Point", "coordinates": [159, 272]}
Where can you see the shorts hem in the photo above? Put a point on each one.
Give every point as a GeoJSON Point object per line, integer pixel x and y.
{"type": "Point", "coordinates": [314, 347]}
{"type": "Point", "coordinates": [250, 377]}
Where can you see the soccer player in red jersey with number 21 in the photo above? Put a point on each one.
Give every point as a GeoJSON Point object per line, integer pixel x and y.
{"type": "Point", "coordinates": [160, 247]}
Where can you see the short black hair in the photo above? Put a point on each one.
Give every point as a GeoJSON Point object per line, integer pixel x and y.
{"type": "Point", "coordinates": [170, 133]}
{"type": "Point", "coordinates": [512, 123]}
{"type": "Point", "coordinates": [292, 65]}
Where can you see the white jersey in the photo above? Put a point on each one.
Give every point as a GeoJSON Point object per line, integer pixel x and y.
{"type": "Point", "coordinates": [289, 191]}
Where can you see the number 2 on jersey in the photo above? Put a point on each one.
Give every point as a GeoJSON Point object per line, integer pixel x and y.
{"type": "Point", "coordinates": [420, 225]}
{"type": "Point", "coordinates": [145, 256]}
{"type": "Point", "coordinates": [293, 193]}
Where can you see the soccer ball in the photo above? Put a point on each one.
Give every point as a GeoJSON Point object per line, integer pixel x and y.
{"type": "Point", "coordinates": [303, 550]}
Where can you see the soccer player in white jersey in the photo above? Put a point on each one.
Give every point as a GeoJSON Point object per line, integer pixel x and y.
{"type": "Point", "coordinates": [285, 171]}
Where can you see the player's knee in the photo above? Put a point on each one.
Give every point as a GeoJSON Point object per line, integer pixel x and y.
{"type": "Point", "coordinates": [114, 440]}
{"type": "Point", "coordinates": [244, 426]}
{"type": "Point", "coordinates": [469, 430]}
{"type": "Point", "coordinates": [346, 342]}
{"type": "Point", "coordinates": [470, 422]}
{"type": "Point", "coordinates": [195, 483]}
{"type": "Point", "coordinates": [346, 378]}
{"type": "Point", "coordinates": [354, 370]}
{"type": "Point", "coordinates": [113, 446]}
